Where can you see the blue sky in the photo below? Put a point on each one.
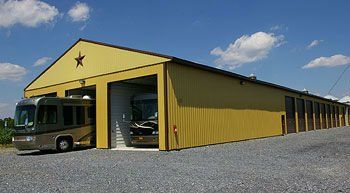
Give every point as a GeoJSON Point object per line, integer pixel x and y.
{"type": "Point", "coordinates": [272, 39]}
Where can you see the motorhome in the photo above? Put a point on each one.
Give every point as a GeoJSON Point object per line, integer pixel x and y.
{"type": "Point", "coordinates": [144, 120]}
{"type": "Point", "coordinates": [53, 123]}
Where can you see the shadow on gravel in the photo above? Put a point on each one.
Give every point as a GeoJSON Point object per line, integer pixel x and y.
{"type": "Point", "coordinates": [47, 152]}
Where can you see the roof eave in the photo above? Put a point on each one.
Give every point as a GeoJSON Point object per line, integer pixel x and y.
{"type": "Point", "coordinates": [227, 73]}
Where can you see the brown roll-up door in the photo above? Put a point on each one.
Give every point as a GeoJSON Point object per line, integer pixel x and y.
{"type": "Point", "coordinates": [317, 115]}
{"type": "Point", "coordinates": [337, 116]}
{"type": "Point", "coordinates": [290, 114]}
{"type": "Point", "coordinates": [323, 114]}
{"type": "Point", "coordinates": [348, 115]}
{"type": "Point", "coordinates": [310, 115]}
{"type": "Point", "coordinates": [343, 116]}
{"type": "Point", "coordinates": [301, 114]}
{"type": "Point", "coordinates": [329, 118]}
{"type": "Point", "coordinates": [333, 118]}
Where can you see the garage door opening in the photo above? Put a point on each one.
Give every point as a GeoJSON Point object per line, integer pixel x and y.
{"type": "Point", "coordinates": [133, 113]}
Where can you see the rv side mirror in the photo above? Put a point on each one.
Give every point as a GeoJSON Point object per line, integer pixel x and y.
{"type": "Point", "coordinates": [124, 119]}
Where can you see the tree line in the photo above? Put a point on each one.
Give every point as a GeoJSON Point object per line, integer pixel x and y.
{"type": "Point", "coordinates": [10, 123]}
{"type": "Point", "coordinates": [6, 126]}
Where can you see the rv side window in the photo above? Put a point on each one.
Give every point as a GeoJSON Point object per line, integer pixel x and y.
{"type": "Point", "coordinates": [68, 115]}
{"type": "Point", "coordinates": [80, 115]}
{"type": "Point", "coordinates": [47, 114]}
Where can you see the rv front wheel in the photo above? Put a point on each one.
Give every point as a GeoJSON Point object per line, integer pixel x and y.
{"type": "Point", "coordinates": [64, 144]}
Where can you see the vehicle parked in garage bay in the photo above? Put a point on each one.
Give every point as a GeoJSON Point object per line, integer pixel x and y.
{"type": "Point", "coordinates": [144, 121]}
{"type": "Point", "coordinates": [53, 123]}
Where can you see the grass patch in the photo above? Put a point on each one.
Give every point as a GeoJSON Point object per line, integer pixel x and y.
{"type": "Point", "coordinates": [6, 146]}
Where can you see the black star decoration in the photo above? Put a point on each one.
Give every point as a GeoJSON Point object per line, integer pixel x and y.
{"type": "Point", "coordinates": [79, 60]}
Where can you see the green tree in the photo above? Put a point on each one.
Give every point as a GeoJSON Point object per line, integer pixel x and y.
{"type": "Point", "coordinates": [6, 133]}
{"type": "Point", "coordinates": [10, 122]}
{"type": "Point", "coordinates": [2, 124]}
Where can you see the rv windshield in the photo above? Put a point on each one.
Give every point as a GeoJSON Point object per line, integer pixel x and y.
{"type": "Point", "coordinates": [144, 109]}
{"type": "Point", "coordinates": [24, 116]}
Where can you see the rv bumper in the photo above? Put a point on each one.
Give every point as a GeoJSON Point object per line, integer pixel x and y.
{"type": "Point", "coordinates": [24, 145]}
{"type": "Point", "coordinates": [27, 143]}
{"type": "Point", "coordinates": [144, 140]}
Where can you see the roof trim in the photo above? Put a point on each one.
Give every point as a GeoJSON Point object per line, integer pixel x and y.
{"type": "Point", "coordinates": [126, 48]}
{"type": "Point", "coordinates": [235, 75]}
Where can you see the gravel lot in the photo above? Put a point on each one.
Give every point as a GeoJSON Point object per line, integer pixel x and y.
{"type": "Point", "coordinates": [317, 161]}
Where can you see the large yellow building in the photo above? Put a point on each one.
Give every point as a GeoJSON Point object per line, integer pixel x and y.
{"type": "Point", "coordinates": [197, 105]}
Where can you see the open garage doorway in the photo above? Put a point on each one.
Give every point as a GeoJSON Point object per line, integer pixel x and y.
{"type": "Point", "coordinates": [133, 113]}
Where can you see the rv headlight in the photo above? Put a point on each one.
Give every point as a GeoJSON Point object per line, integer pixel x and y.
{"type": "Point", "coordinates": [131, 132]}
{"type": "Point", "coordinates": [30, 138]}
{"type": "Point", "coordinates": [155, 132]}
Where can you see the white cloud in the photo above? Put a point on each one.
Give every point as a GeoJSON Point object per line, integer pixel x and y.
{"type": "Point", "coordinates": [29, 13]}
{"type": "Point", "coordinates": [79, 12]}
{"type": "Point", "coordinates": [331, 97]}
{"type": "Point", "coordinates": [82, 27]}
{"type": "Point", "coordinates": [314, 43]}
{"type": "Point", "coordinates": [247, 49]}
{"type": "Point", "coordinates": [332, 61]}
{"type": "Point", "coordinates": [11, 72]}
{"type": "Point", "coordinates": [279, 28]}
{"type": "Point", "coordinates": [276, 27]}
{"type": "Point", "coordinates": [3, 105]}
{"type": "Point", "coordinates": [42, 61]}
{"type": "Point", "coordinates": [345, 99]}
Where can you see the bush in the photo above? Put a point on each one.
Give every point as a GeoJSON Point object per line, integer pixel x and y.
{"type": "Point", "coordinates": [5, 136]}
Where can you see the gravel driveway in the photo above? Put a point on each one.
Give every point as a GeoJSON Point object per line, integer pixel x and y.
{"type": "Point", "coordinates": [312, 161]}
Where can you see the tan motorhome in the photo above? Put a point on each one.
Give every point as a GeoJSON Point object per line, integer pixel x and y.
{"type": "Point", "coordinates": [53, 123]}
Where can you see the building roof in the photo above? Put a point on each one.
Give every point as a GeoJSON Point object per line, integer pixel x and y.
{"type": "Point", "coordinates": [192, 64]}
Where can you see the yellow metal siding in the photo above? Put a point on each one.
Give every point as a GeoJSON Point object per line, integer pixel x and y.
{"type": "Point", "coordinates": [98, 60]}
{"type": "Point", "coordinates": [101, 114]}
{"type": "Point", "coordinates": [209, 108]}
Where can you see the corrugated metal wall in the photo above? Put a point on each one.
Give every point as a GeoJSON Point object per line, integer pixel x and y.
{"type": "Point", "coordinates": [209, 108]}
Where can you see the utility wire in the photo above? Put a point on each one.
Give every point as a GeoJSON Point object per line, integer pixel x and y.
{"type": "Point", "coordinates": [336, 82]}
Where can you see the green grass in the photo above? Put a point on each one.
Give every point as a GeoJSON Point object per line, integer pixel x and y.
{"type": "Point", "coordinates": [6, 146]}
